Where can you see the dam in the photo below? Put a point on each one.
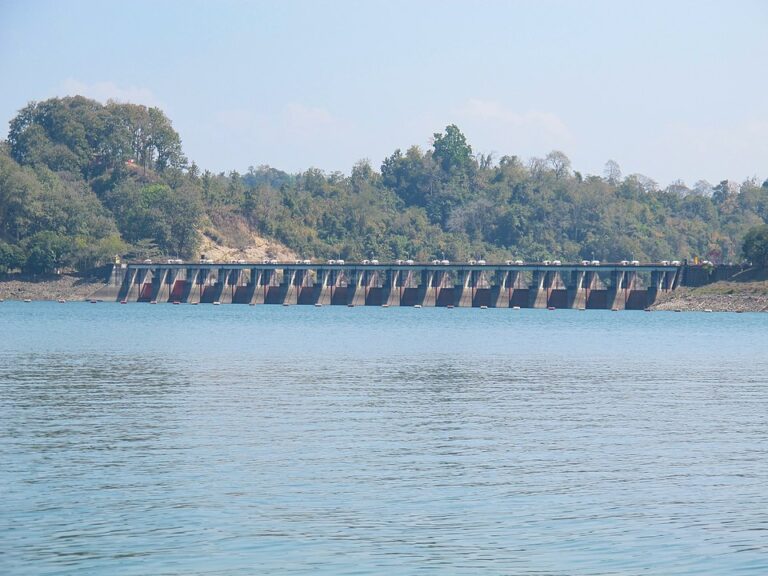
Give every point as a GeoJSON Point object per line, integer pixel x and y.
{"type": "Point", "coordinates": [608, 286]}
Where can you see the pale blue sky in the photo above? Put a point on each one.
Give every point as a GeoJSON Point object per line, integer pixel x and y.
{"type": "Point", "coordinates": [668, 89]}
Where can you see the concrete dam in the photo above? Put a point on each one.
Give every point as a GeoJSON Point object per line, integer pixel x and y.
{"type": "Point", "coordinates": [619, 286]}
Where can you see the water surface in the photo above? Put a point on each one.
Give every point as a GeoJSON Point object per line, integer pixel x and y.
{"type": "Point", "coordinates": [238, 440]}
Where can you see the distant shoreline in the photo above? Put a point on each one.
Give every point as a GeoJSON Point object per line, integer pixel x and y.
{"type": "Point", "coordinates": [49, 287]}
{"type": "Point", "coordinates": [726, 296]}
{"type": "Point", "coordinates": [745, 292]}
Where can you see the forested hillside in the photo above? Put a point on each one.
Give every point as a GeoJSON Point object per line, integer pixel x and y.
{"type": "Point", "coordinates": [81, 182]}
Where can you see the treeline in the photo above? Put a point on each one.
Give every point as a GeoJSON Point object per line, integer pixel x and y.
{"type": "Point", "coordinates": [81, 182]}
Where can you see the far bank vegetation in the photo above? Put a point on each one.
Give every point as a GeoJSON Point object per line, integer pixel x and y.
{"type": "Point", "coordinates": [81, 182]}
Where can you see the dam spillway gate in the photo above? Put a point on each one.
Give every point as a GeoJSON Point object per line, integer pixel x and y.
{"type": "Point", "coordinates": [605, 286]}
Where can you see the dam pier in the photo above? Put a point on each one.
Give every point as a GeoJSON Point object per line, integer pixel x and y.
{"type": "Point", "coordinates": [579, 286]}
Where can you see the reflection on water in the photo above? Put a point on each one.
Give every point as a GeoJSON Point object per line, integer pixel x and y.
{"type": "Point", "coordinates": [234, 440]}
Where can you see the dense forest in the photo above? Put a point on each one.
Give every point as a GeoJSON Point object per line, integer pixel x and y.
{"type": "Point", "coordinates": [81, 182]}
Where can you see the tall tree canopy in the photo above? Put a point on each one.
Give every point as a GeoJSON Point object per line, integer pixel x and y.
{"type": "Point", "coordinates": [59, 170]}
{"type": "Point", "coordinates": [451, 150]}
{"type": "Point", "coordinates": [78, 134]}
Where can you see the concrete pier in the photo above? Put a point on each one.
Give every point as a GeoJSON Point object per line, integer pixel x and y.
{"type": "Point", "coordinates": [578, 286]}
{"type": "Point", "coordinates": [538, 291]}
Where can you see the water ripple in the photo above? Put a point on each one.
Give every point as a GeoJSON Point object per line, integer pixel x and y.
{"type": "Point", "coordinates": [234, 440]}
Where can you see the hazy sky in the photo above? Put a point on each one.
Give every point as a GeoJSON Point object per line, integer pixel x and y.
{"type": "Point", "coordinates": [668, 89]}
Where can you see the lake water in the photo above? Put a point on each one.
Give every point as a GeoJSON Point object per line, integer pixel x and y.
{"type": "Point", "coordinates": [268, 440]}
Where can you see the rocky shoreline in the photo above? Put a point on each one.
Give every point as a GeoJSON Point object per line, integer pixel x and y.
{"type": "Point", "coordinates": [55, 287]}
{"type": "Point", "coordinates": [717, 297]}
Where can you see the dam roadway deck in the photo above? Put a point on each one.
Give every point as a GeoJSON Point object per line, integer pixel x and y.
{"type": "Point", "coordinates": [529, 285]}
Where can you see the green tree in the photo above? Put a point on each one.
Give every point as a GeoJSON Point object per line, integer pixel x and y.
{"type": "Point", "coordinates": [46, 251]}
{"type": "Point", "coordinates": [153, 143]}
{"type": "Point", "coordinates": [451, 150]}
{"type": "Point", "coordinates": [411, 176]}
{"type": "Point", "coordinates": [755, 245]}
{"type": "Point", "coordinates": [77, 134]}
{"type": "Point", "coordinates": [159, 214]}
{"type": "Point", "coordinates": [11, 257]}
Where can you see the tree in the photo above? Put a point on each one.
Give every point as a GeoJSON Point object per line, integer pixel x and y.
{"type": "Point", "coordinates": [166, 217]}
{"type": "Point", "coordinates": [678, 188]}
{"type": "Point", "coordinates": [412, 177]}
{"type": "Point", "coordinates": [559, 163]}
{"type": "Point", "coordinates": [703, 188]}
{"type": "Point", "coordinates": [723, 191]}
{"type": "Point", "coordinates": [77, 134]}
{"type": "Point", "coordinates": [643, 183]}
{"type": "Point", "coordinates": [451, 150]}
{"type": "Point", "coordinates": [46, 251]}
{"type": "Point", "coordinates": [362, 175]}
{"type": "Point", "coordinates": [88, 253]}
{"type": "Point", "coordinates": [72, 134]}
{"type": "Point", "coordinates": [612, 172]}
{"type": "Point", "coordinates": [152, 140]}
{"type": "Point", "coordinates": [11, 257]}
{"type": "Point", "coordinates": [755, 245]}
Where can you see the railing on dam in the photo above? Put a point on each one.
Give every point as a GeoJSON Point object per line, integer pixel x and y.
{"type": "Point", "coordinates": [587, 286]}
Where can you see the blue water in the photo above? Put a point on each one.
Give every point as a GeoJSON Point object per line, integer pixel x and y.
{"type": "Point", "coordinates": [268, 440]}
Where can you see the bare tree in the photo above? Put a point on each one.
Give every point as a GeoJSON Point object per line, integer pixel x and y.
{"type": "Point", "coordinates": [559, 163]}
{"type": "Point", "coordinates": [703, 188]}
{"type": "Point", "coordinates": [485, 161]}
{"type": "Point", "coordinates": [612, 172]}
{"type": "Point", "coordinates": [644, 183]}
